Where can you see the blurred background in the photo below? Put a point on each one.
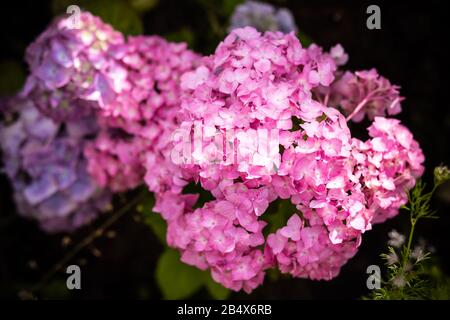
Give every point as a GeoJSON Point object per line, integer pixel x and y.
{"type": "Point", "coordinates": [409, 50]}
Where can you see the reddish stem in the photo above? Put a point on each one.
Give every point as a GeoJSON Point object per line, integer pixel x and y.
{"type": "Point", "coordinates": [358, 108]}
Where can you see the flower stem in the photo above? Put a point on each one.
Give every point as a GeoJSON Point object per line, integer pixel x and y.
{"type": "Point", "coordinates": [408, 246]}
{"type": "Point", "coordinates": [357, 109]}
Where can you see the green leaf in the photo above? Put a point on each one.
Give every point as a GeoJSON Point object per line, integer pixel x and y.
{"type": "Point", "coordinates": [228, 6]}
{"type": "Point", "coordinates": [216, 290]}
{"type": "Point", "coordinates": [278, 214]}
{"type": "Point", "coordinates": [55, 290]}
{"type": "Point", "coordinates": [273, 274]}
{"type": "Point", "coordinates": [176, 279]}
{"type": "Point", "coordinates": [158, 226]}
{"type": "Point", "coordinates": [117, 13]}
{"type": "Point", "coordinates": [12, 77]}
{"type": "Point", "coordinates": [142, 6]}
{"type": "Point", "coordinates": [146, 206]}
{"type": "Point", "coordinates": [305, 40]}
{"type": "Point", "coordinates": [183, 35]}
{"type": "Point", "coordinates": [204, 195]}
{"type": "Point", "coordinates": [152, 219]}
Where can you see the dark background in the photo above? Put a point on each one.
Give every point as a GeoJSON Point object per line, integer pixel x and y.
{"type": "Point", "coordinates": [410, 50]}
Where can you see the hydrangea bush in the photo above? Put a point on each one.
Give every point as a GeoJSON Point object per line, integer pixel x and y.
{"type": "Point", "coordinates": [103, 113]}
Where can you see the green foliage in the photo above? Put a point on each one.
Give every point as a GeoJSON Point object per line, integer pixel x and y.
{"type": "Point", "coordinates": [12, 77]}
{"type": "Point", "coordinates": [56, 290]}
{"type": "Point", "coordinates": [227, 6]}
{"type": "Point", "coordinates": [278, 214]}
{"type": "Point", "coordinates": [119, 13]}
{"type": "Point", "coordinates": [419, 203]}
{"type": "Point", "coordinates": [216, 290]}
{"type": "Point", "coordinates": [274, 274]}
{"type": "Point", "coordinates": [410, 275]}
{"type": "Point", "coordinates": [223, 7]}
{"type": "Point", "coordinates": [177, 280]}
{"type": "Point", "coordinates": [142, 6]}
{"type": "Point", "coordinates": [184, 34]}
{"type": "Point", "coordinates": [305, 40]}
{"type": "Point", "coordinates": [441, 288]}
{"type": "Point", "coordinates": [153, 220]}
{"type": "Point", "coordinates": [217, 13]}
{"type": "Point", "coordinates": [158, 225]}
{"type": "Point", "coordinates": [204, 195]}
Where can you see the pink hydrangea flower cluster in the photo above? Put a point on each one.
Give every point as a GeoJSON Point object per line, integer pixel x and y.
{"type": "Point", "coordinates": [388, 165]}
{"type": "Point", "coordinates": [115, 157]}
{"type": "Point", "coordinates": [69, 64]}
{"type": "Point", "coordinates": [268, 81]}
{"type": "Point", "coordinates": [364, 94]}
{"type": "Point", "coordinates": [138, 118]}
